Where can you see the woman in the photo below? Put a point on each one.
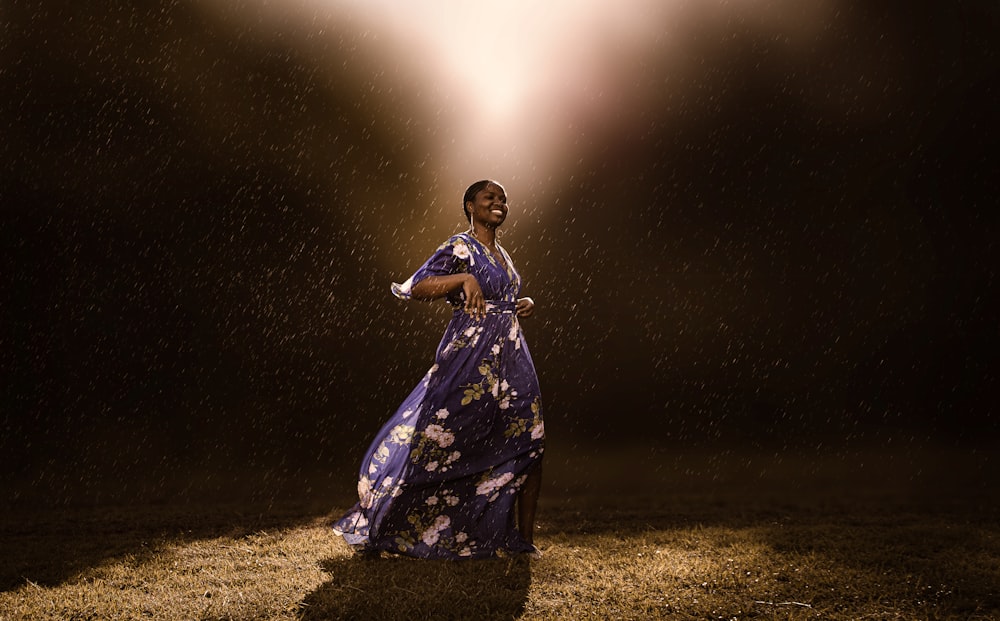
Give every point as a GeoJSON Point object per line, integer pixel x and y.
{"type": "Point", "coordinates": [442, 476]}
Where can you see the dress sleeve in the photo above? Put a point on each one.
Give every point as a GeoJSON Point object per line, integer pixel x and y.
{"type": "Point", "coordinates": [451, 257]}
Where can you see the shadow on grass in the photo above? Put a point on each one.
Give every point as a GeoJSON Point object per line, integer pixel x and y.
{"type": "Point", "coordinates": [50, 547]}
{"type": "Point", "coordinates": [54, 525]}
{"type": "Point", "coordinates": [946, 559]}
{"type": "Point", "coordinates": [920, 528]}
{"type": "Point", "coordinates": [402, 588]}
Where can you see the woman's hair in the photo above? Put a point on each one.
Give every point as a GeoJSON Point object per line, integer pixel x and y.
{"type": "Point", "coordinates": [470, 194]}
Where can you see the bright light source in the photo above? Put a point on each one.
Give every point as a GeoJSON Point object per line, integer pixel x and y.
{"type": "Point", "coordinates": [514, 87]}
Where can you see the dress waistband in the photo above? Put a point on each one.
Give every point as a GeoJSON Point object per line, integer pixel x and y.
{"type": "Point", "coordinates": [495, 306]}
{"type": "Point", "coordinates": [500, 306]}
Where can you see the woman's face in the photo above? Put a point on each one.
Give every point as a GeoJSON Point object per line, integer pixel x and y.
{"type": "Point", "coordinates": [489, 206]}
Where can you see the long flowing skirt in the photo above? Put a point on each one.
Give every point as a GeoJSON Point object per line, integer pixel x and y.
{"type": "Point", "coordinates": [441, 478]}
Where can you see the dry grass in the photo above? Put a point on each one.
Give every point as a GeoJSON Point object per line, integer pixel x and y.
{"type": "Point", "coordinates": [729, 551]}
{"type": "Point", "coordinates": [261, 574]}
{"type": "Point", "coordinates": [820, 567]}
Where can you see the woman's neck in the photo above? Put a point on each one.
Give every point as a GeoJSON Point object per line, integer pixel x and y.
{"type": "Point", "coordinates": [485, 234]}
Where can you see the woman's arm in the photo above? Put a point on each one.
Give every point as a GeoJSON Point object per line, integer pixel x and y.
{"type": "Point", "coordinates": [436, 286]}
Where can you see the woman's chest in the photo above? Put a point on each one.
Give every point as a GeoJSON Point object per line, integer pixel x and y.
{"type": "Point", "coordinates": [496, 279]}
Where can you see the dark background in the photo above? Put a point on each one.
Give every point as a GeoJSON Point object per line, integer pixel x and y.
{"type": "Point", "coordinates": [200, 223]}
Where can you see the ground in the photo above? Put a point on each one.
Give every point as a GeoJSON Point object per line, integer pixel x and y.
{"type": "Point", "coordinates": [627, 534]}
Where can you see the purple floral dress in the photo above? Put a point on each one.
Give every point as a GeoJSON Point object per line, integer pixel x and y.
{"type": "Point", "coordinates": [441, 477]}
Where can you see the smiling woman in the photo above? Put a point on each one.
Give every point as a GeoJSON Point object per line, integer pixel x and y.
{"type": "Point", "coordinates": [443, 476]}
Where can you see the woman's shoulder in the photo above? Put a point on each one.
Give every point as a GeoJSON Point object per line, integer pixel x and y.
{"type": "Point", "coordinates": [459, 243]}
{"type": "Point", "coordinates": [459, 238]}
{"type": "Point", "coordinates": [459, 246]}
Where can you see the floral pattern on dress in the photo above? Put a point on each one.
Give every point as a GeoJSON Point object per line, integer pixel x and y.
{"type": "Point", "coordinates": [441, 477]}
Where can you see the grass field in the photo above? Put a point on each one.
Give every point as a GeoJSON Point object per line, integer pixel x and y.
{"type": "Point", "coordinates": [695, 536]}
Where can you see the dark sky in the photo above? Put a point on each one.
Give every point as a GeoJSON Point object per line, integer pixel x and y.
{"type": "Point", "coordinates": [200, 223]}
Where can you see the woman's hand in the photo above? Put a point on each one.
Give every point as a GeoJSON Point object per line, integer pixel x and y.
{"type": "Point", "coordinates": [525, 307]}
{"type": "Point", "coordinates": [436, 286]}
{"type": "Point", "coordinates": [475, 303]}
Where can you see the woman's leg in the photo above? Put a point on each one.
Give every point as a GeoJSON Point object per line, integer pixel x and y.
{"type": "Point", "coordinates": [527, 502]}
